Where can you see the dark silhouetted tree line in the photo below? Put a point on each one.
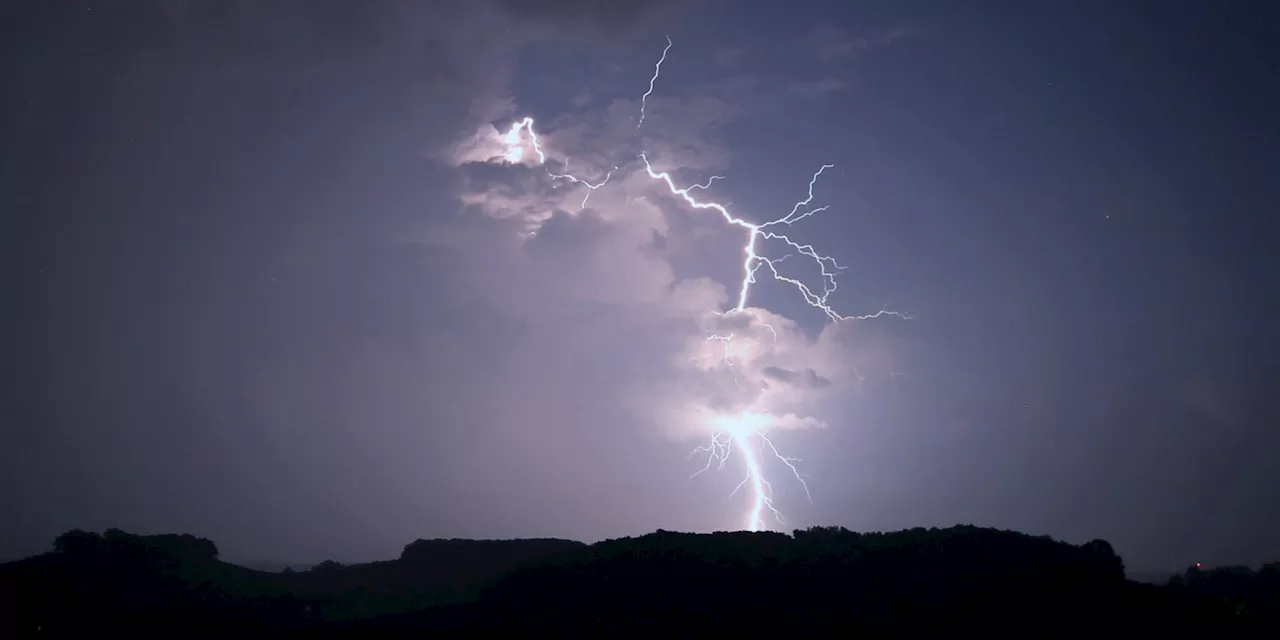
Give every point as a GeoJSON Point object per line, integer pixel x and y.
{"type": "Point", "coordinates": [117, 580]}
{"type": "Point", "coordinates": [815, 583]}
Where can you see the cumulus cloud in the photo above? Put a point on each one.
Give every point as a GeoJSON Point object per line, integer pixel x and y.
{"type": "Point", "coordinates": [615, 332]}
{"type": "Point", "coordinates": [808, 377]}
{"type": "Point", "coordinates": [483, 146]}
{"type": "Point", "coordinates": [599, 236]}
{"type": "Point", "coordinates": [745, 361]}
{"type": "Point", "coordinates": [604, 248]}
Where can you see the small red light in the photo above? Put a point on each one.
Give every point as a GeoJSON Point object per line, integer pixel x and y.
{"type": "Point", "coordinates": [1197, 565]}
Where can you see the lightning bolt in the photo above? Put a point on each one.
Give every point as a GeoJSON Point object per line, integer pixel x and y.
{"type": "Point", "coordinates": [515, 154]}
{"type": "Point", "coordinates": [753, 261]}
{"type": "Point", "coordinates": [706, 184]}
{"type": "Point", "coordinates": [736, 433]}
{"type": "Point", "coordinates": [591, 188]}
{"type": "Point", "coordinates": [747, 432]}
{"type": "Point", "coordinates": [657, 69]}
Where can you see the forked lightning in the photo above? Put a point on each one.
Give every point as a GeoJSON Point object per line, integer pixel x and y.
{"type": "Point", "coordinates": [746, 432]}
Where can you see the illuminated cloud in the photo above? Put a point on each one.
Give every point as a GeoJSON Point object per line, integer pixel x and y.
{"type": "Point", "coordinates": [580, 243]}
{"type": "Point", "coordinates": [752, 360]}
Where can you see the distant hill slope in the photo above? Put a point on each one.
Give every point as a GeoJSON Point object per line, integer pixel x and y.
{"type": "Point", "coordinates": [271, 566]}
{"type": "Point", "coordinates": [816, 582]}
{"type": "Point", "coordinates": [428, 573]}
{"type": "Point", "coordinates": [1150, 577]}
{"type": "Point", "coordinates": [128, 574]}
{"type": "Point", "coordinates": [898, 580]}
{"type": "Point", "coordinates": [121, 580]}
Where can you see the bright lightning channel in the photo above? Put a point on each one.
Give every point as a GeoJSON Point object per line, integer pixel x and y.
{"type": "Point", "coordinates": [736, 431]}
{"type": "Point", "coordinates": [515, 153]}
{"type": "Point", "coordinates": [657, 69]}
{"type": "Point", "coordinates": [733, 432]}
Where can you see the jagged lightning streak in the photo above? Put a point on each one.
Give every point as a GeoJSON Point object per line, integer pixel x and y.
{"type": "Point", "coordinates": [591, 188]}
{"type": "Point", "coordinates": [515, 154]}
{"type": "Point", "coordinates": [657, 69]}
{"type": "Point", "coordinates": [753, 261]}
{"type": "Point", "coordinates": [707, 184]}
{"type": "Point", "coordinates": [736, 432]}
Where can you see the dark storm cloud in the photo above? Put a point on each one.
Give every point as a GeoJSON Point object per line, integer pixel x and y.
{"type": "Point", "coordinates": [333, 25]}
{"type": "Point", "coordinates": [232, 28]}
{"type": "Point", "coordinates": [259, 301]}
{"type": "Point", "coordinates": [816, 88]}
{"type": "Point", "coordinates": [807, 378]}
{"type": "Point", "coordinates": [483, 176]}
{"type": "Point", "coordinates": [659, 242]}
{"type": "Point", "coordinates": [565, 231]}
{"type": "Point", "coordinates": [237, 179]}
{"type": "Point", "coordinates": [613, 18]}
{"type": "Point", "coordinates": [831, 43]}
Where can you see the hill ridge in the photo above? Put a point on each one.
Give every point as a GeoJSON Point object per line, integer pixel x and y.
{"type": "Point", "coordinates": [813, 580]}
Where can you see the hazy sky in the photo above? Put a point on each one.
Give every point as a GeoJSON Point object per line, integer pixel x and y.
{"type": "Point", "coordinates": [276, 285]}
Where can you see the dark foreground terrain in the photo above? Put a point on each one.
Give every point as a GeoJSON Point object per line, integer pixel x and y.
{"type": "Point", "coordinates": [816, 582]}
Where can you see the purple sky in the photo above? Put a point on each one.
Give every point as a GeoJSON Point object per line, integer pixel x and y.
{"type": "Point", "coordinates": [277, 285]}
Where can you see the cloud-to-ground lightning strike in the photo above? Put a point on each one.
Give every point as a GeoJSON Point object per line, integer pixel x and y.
{"type": "Point", "coordinates": [753, 261]}
{"type": "Point", "coordinates": [734, 432]}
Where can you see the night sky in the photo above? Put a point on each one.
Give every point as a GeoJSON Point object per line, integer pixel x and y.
{"type": "Point", "coordinates": [276, 285]}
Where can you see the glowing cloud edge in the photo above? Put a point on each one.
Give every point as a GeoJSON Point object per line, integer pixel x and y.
{"type": "Point", "coordinates": [737, 431]}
